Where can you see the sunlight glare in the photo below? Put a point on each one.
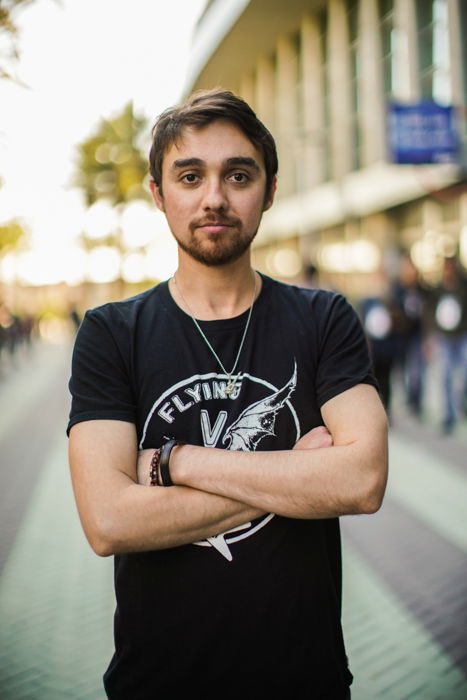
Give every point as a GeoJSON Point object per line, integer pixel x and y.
{"type": "Point", "coordinates": [100, 220]}
{"type": "Point", "coordinates": [103, 264]}
{"type": "Point", "coordinates": [139, 223]}
{"type": "Point", "coordinates": [133, 267]}
{"type": "Point", "coordinates": [161, 258]}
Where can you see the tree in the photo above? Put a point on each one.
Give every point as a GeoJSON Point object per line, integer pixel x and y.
{"type": "Point", "coordinates": [110, 163]}
{"type": "Point", "coordinates": [11, 232]}
{"type": "Point", "coordinates": [9, 34]}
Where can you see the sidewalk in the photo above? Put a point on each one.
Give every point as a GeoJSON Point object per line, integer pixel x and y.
{"type": "Point", "coordinates": [56, 599]}
{"type": "Point", "coordinates": [405, 575]}
{"type": "Point", "coordinates": [405, 585]}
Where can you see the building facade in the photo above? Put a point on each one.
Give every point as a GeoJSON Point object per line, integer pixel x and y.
{"type": "Point", "coordinates": [325, 77]}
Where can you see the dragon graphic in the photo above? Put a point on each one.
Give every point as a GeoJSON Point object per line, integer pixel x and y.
{"type": "Point", "coordinates": [257, 420]}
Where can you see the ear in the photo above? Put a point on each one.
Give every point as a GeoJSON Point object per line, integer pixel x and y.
{"type": "Point", "coordinates": [156, 195]}
{"type": "Point", "coordinates": [270, 197]}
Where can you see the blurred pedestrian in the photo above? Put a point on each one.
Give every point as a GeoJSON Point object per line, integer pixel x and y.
{"type": "Point", "coordinates": [378, 322]}
{"type": "Point", "coordinates": [409, 299]}
{"type": "Point", "coordinates": [75, 317]}
{"type": "Point", "coordinates": [10, 335]}
{"type": "Point", "coordinates": [450, 320]}
{"type": "Point", "coordinates": [228, 583]}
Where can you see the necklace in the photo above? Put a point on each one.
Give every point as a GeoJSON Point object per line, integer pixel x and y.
{"type": "Point", "coordinates": [231, 379]}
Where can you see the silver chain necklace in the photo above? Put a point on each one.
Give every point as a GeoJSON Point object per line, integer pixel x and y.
{"type": "Point", "coordinates": [231, 380]}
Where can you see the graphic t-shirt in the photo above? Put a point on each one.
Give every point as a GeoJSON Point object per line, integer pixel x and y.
{"type": "Point", "coordinates": [255, 611]}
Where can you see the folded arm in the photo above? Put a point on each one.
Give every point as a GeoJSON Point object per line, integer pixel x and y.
{"type": "Point", "coordinates": [349, 478]}
{"type": "Point", "coordinates": [119, 515]}
{"type": "Point", "coordinates": [220, 489]}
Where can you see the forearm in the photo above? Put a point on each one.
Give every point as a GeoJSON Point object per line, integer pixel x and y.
{"type": "Point", "coordinates": [144, 518]}
{"type": "Point", "coordinates": [310, 481]}
{"type": "Point", "coordinates": [119, 515]}
{"type": "Point", "coordinates": [319, 483]}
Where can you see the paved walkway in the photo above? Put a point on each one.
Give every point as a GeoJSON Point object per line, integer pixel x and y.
{"type": "Point", "coordinates": [405, 594]}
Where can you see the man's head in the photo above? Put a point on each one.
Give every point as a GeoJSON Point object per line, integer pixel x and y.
{"type": "Point", "coordinates": [201, 109]}
{"type": "Point", "coordinates": [213, 167]}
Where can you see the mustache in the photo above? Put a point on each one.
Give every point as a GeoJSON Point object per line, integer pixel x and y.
{"type": "Point", "coordinates": [217, 220]}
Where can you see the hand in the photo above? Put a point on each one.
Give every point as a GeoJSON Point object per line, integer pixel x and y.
{"type": "Point", "coordinates": [314, 439]}
{"type": "Point", "coordinates": [143, 465]}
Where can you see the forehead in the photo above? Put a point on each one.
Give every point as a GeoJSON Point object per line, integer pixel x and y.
{"type": "Point", "coordinates": [214, 143]}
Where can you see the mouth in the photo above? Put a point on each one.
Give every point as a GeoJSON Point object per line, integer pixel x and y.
{"type": "Point", "coordinates": [214, 227]}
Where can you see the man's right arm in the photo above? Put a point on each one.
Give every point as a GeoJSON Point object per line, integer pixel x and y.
{"type": "Point", "coordinates": [119, 516]}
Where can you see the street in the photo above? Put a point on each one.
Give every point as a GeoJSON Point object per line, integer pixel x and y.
{"type": "Point", "coordinates": [405, 568]}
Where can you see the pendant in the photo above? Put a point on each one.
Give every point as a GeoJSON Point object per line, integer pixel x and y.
{"type": "Point", "coordinates": [230, 388]}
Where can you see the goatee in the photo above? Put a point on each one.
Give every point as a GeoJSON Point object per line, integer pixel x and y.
{"type": "Point", "coordinates": [217, 248]}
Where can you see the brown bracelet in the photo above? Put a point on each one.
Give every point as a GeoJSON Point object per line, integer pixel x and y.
{"type": "Point", "coordinates": [154, 474]}
{"type": "Point", "coordinates": [164, 471]}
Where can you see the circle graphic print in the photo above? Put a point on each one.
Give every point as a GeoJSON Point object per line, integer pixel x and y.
{"type": "Point", "coordinates": [244, 433]}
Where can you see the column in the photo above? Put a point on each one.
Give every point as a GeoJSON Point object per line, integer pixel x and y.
{"type": "Point", "coordinates": [372, 115]}
{"type": "Point", "coordinates": [455, 50]}
{"type": "Point", "coordinates": [339, 90]}
{"type": "Point", "coordinates": [312, 127]}
{"type": "Point", "coordinates": [406, 58]}
{"type": "Point", "coordinates": [247, 89]}
{"type": "Point", "coordinates": [265, 93]}
{"type": "Point", "coordinates": [286, 113]}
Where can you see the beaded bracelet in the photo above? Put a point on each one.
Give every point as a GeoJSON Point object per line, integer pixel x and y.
{"type": "Point", "coordinates": [154, 476]}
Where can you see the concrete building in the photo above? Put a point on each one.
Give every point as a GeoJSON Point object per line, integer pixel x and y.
{"type": "Point", "coordinates": [322, 75]}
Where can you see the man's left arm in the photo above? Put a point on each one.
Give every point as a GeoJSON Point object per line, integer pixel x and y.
{"type": "Point", "coordinates": [347, 478]}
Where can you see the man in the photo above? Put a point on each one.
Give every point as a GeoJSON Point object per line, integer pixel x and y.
{"type": "Point", "coordinates": [227, 582]}
{"type": "Point", "coordinates": [449, 310]}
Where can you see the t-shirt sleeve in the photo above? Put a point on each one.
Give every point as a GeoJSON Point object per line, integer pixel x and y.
{"type": "Point", "coordinates": [100, 383]}
{"type": "Point", "coordinates": [344, 359]}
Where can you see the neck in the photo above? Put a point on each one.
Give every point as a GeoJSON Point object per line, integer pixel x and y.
{"type": "Point", "coordinates": [210, 293]}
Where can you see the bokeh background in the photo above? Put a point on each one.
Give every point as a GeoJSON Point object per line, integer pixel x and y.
{"type": "Point", "coordinates": [367, 102]}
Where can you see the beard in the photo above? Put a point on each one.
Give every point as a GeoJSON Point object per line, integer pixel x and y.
{"type": "Point", "coordinates": [217, 249]}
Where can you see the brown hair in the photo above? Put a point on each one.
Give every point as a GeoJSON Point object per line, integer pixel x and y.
{"type": "Point", "coordinates": [200, 109]}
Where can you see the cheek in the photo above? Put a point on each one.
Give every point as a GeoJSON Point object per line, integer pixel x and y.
{"type": "Point", "coordinates": [254, 211]}
{"type": "Point", "coordinates": [176, 210]}
{"type": "Point", "coordinates": [251, 206]}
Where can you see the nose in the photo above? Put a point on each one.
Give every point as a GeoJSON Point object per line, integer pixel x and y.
{"type": "Point", "coordinates": [214, 195]}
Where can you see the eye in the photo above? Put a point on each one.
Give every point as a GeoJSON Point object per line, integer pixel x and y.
{"type": "Point", "coordinates": [239, 178]}
{"type": "Point", "coordinates": [190, 178]}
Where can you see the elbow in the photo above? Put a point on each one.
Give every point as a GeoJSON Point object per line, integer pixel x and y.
{"type": "Point", "coordinates": [371, 498]}
{"type": "Point", "coordinates": [103, 539]}
{"type": "Point", "coordinates": [371, 504]}
{"type": "Point", "coordinates": [373, 482]}
{"type": "Point", "coordinates": [102, 547]}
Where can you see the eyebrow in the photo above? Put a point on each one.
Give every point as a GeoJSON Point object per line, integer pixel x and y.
{"type": "Point", "coordinates": [186, 163]}
{"type": "Point", "coordinates": [231, 162]}
{"type": "Point", "coordinates": [243, 160]}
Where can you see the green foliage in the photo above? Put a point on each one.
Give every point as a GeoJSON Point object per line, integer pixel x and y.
{"type": "Point", "coordinates": [11, 234]}
{"type": "Point", "coordinates": [9, 35]}
{"type": "Point", "coordinates": [110, 163]}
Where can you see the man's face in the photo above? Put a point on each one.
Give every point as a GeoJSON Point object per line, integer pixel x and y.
{"type": "Point", "coordinates": [213, 184]}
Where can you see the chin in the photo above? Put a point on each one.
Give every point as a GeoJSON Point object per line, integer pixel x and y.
{"type": "Point", "coordinates": [216, 256]}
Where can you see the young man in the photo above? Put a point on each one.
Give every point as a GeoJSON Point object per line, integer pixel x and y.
{"type": "Point", "coordinates": [228, 582]}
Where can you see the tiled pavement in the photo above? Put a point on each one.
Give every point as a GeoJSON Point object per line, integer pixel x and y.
{"type": "Point", "coordinates": [405, 568]}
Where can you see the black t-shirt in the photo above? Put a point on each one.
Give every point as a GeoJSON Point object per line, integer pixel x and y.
{"type": "Point", "coordinates": [449, 308]}
{"type": "Point", "coordinates": [254, 612]}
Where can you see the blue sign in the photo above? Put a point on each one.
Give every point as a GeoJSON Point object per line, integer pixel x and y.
{"type": "Point", "coordinates": [422, 133]}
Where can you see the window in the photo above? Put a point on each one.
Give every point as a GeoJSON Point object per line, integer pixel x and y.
{"type": "Point", "coordinates": [433, 50]}
{"type": "Point", "coordinates": [354, 63]}
{"type": "Point", "coordinates": [325, 137]}
{"type": "Point", "coordinates": [388, 45]}
{"type": "Point", "coordinates": [463, 33]}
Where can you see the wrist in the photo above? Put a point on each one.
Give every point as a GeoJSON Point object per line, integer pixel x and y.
{"type": "Point", "coordinates": [178, 461]}
{"type": "Point", "coordinates": [160, 468]}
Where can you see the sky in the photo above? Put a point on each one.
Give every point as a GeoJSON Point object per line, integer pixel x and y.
{"type": "Point", "coordinates": [81, 61]}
